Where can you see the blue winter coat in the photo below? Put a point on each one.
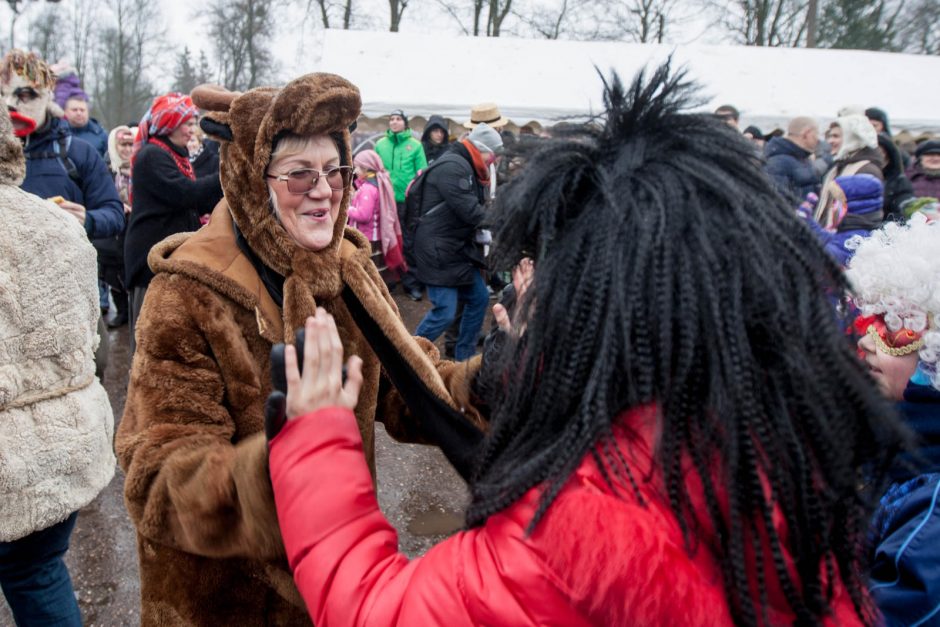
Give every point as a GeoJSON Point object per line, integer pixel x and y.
{"type": "Point", "coordinates": [905, 574]}
{"type": "Point", "coordinates": [790, 168]}
{"type": "Point", "coordinates": [94, 135]}
{"type": "Point", "coordinates": [47, 176]}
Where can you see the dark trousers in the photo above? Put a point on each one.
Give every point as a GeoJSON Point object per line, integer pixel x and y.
{"type": "Point", "coordinates": [35, 580]}
{"type": "Point", "coordinates": [409, 280]}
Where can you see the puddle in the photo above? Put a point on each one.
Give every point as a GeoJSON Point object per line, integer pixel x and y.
{"type": "Point", "coordinates": [435, 523]}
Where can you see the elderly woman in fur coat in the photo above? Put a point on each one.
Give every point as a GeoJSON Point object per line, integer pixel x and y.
{"type": "Point", "coordinates": [191, 439]}
{"type": "Point", "coordinates": [56, 425]}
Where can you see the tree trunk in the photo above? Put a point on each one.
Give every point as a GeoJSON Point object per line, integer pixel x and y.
{"type": "Point", "coordinates": [812, 13]}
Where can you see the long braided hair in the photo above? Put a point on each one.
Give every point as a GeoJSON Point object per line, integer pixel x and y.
{"type": "Point", "coordinates": [669, 272]}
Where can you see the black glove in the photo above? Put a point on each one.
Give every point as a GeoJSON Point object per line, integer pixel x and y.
{"type": "Point", "coordinates": [275, 408]}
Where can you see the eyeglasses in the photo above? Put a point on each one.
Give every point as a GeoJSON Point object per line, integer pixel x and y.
{"type": "Point", "coordinates": [303, 180]}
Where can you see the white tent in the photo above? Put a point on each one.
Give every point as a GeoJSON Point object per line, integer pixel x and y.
{"type": "Point", "coordinates": [547, 81]}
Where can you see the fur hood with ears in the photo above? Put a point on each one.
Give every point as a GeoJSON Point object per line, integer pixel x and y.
{"type": "Point", "coordinates": [857, 134]}
{"type": "Point", "coordinates": [248, 125]}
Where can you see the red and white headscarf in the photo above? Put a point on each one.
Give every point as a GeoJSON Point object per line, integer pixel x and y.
{"type": "Point", "coordinates": [165, 115]}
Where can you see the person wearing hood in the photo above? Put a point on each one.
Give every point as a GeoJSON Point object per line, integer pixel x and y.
{"type": "Point", "coordinates": [435, 138]}
{"type": "Point", "coordinates": [789, 160]}
{"type": "Point", "coordinates": [878, 119]}
{"type": "Point", "coordinates": [898, 189]}
{"type": "Point", "coordinates": [895, 281]}
{"type": "Point", "coordinates": [111, 249]}
{"type": "Point", "coordinates": [57, 167]}
{"type": "Point", "coordinates": [193, 436]}
{"type": "Point", "coordinates": [924, 173]}
{"type": "Point", "coordinates": [858, 154]}
{"type": "Point", "coordinates": [856, 204]}
{"type": "Point", "coordinates": [56, 424]}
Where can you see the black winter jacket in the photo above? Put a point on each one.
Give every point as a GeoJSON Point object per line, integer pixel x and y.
{"type": "Point", "coordinates": [431, 150]}
{"type": "Point", "coordinates": [451, 212]}
{"type": "Point", "coordinates": [790, 168]}
{"type": "Point", "coordinates": [165, 202]}
{"type": "Point", "coordinates": [898, 189]}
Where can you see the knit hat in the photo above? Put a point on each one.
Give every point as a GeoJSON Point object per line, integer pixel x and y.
{"type": "Point", "coordinates": [863, 193]}
{"type": "Point", "coordinates": [929, 147]}
{"type": "Point", "coordinates": [486, 138]}
{"type": "Point", "coordinates": [400, 114]}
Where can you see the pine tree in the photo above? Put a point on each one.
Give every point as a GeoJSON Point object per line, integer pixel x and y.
{"type": "Point", "coordinates": [185, 77]}
{"type": "Point", "coordinates": [204, 72]}
{"type": "Point", "coordinates": [858, 25]}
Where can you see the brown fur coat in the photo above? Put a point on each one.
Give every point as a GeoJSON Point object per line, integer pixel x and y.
{"type": "Point", "coordinates": [191, 439]}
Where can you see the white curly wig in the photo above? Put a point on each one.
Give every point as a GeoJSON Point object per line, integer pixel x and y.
{"type": "Point", "coordinates": [896, 274]}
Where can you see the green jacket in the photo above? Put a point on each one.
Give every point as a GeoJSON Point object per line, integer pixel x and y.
{"type": "Point", "coordinates": [403, 156]}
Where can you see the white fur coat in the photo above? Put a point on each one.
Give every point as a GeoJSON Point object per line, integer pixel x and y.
{"type": "Point", "coordinates": [56, 425]}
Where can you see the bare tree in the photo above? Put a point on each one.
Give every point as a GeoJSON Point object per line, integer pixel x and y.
{"type": "Point", "coordinates": [396, 10]}
{"type": "Point", "coordinates": [127, 47]}
{"type": "Point", "coordinates": [486, 17]}
{"type": "Point", "coordinates": [82, 18]}
{"type": "Point", "coordinates": [920, 32]}
{"type": "Point", "coordinates": [45, 34]}
{"type": "Point", "coordinates": [330, 13]}
{"type": "Point", "coordinates": [764, 22]}
{"type": "Point", "coordinates": [241, 33]}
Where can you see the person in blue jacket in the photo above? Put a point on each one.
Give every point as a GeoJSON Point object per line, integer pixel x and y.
{"type": "Point", "coordinates": [789, 160]}
{"type": "Point", "coordinates": [895, 276]}
{"type": "Point", "coordinates": [58, 166]}
{"type": "Point", "coordinates": [84, 126]}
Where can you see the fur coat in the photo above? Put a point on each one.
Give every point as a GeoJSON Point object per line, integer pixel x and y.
{"type": "Point", "coordinates": [56, 425]}
{"type": "Point", "coordinates": [191, 440]}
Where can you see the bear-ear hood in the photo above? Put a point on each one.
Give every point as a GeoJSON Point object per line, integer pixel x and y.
{"type": "Point", "coordinates": [247, 125]}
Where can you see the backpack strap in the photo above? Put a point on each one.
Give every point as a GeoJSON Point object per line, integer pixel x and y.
{"type": "Point", "coordinates": [60, 152]}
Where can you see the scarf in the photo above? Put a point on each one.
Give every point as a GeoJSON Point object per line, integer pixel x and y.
{"type": "Point", "coordinates": [479, 166]}
{"type": "Point", "coordinates": [389, 226]}
{"type": "Point", "coordinates": [165, 115]}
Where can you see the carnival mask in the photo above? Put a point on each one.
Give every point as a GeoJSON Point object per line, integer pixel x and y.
{"type": "Point", "coordinates": [903, 341]}
{"type": "Point", "coordinates": [27, 104]}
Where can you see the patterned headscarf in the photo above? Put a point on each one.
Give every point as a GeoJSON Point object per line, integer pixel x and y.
{"type": "Point", "coordinates": [165, 115]}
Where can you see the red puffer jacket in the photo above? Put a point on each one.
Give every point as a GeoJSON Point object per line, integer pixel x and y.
{"type": "Point", "coordinates": [597, 558]}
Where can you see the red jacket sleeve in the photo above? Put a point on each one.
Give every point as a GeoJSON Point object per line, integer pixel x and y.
{"type": "Point", "coordinates": [344, 553]}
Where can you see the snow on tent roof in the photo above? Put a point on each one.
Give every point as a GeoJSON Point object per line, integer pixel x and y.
{"type": "Point", "coordinates": [550, 80]}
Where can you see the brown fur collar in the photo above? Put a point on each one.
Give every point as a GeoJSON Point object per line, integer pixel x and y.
{"type": "Point", "coordinates": [12, 163]}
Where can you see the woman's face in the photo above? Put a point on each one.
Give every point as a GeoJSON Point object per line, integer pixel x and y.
{"type": "Point", "coordinates": [834, 137]}
{"type": "Point", "coordinates": [183, 133]}
{"type": "Point", "coordinates": [890, 372]}
{"type": "Point", "coordinates": [930, 162]}
{"type": "Point", "coordinates": [437, 135]}
{"type": "Point", "coordinates": [308, 218]}
{"type": "Point", "coordinates": [125, 146]}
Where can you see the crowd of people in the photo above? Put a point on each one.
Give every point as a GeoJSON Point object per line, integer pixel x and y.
{"type": "Point", "coordinates": [710, 396]}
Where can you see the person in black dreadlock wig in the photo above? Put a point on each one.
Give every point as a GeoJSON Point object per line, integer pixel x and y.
{"type": "Point", "coordinates": [678, 427]}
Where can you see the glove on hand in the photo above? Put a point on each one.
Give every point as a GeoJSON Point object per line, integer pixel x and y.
{"type": "Point", "coordinates": [275, 408]}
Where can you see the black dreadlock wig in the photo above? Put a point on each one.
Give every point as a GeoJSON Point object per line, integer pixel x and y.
{"type": "Point", "coordinates": [669, 271]}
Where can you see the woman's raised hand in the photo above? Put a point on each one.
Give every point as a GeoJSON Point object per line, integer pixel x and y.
{"type": "Point", "coordinates": [321, 384]}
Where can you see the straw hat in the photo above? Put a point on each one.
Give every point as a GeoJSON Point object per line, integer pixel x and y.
{"type": "Point", "coordinates": [486, 112]}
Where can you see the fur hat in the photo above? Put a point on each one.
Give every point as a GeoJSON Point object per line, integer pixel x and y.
{"type": "Point", "coordinates": [12, 162]}
{"type": "Point", "coordinates": [929, 147]}
{"type": "Point", "coordinates": [248, 126]}
{"type": "Point", "coordinates": [857, 133]}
